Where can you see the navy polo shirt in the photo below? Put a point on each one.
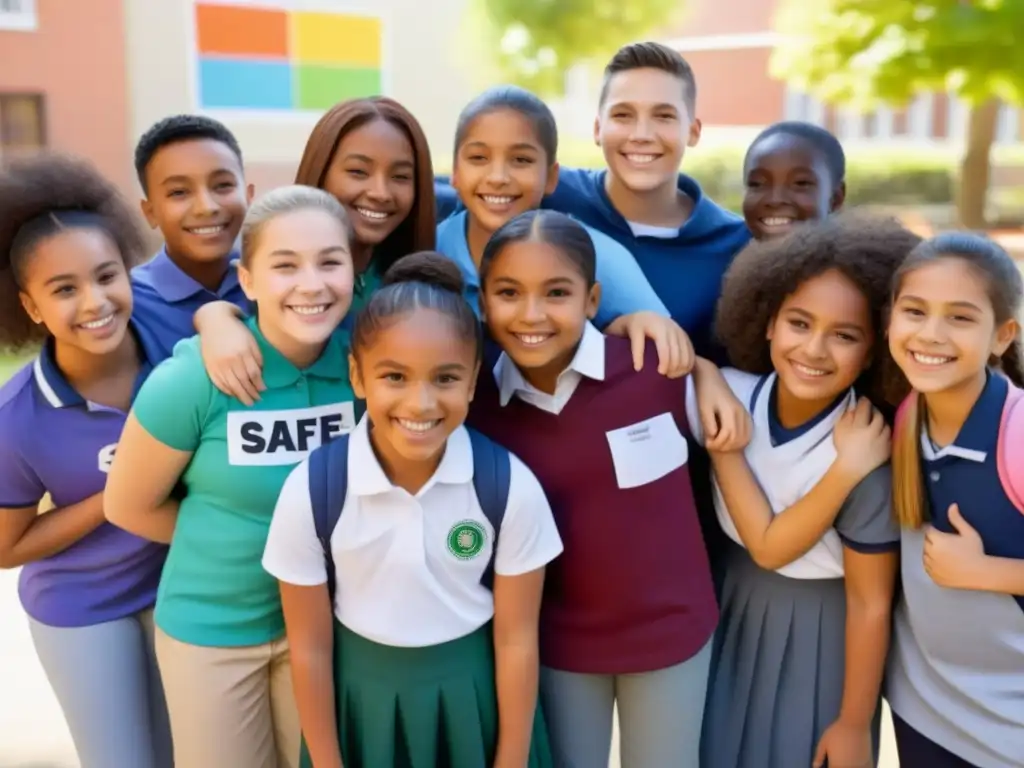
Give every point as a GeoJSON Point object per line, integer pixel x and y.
{"type": "Point", "coordinates": [166, 299]}
{"type": "Point", "coordinates": [54, 441]}
{"type": "Point", "coordinates": [966, 473]}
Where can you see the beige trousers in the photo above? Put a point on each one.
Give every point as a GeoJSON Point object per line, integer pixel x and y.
{"type": "Point", "coordinates": [230, 707]}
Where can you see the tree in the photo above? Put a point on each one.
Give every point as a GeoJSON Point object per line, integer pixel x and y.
{"type": "Point", "coordinates": [533, 42]}
{"type": "Point", "coordinates": [866, 52]}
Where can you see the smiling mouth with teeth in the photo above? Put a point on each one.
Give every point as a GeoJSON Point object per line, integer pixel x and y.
{"type": "Point", "coordinates": [206, 231]}
{"type": "Point", "coordinates": [931, 359]}
{"type": "Point", "coordinates": [94, 325]}
{"type": "Point", "coordinates": [418, 426]}
{"type": "Point", "coordinates": [368, 213]}
{"type": "Point", "coordinates": [640, 159]}
{"type": "Point", "coordinates": [497, 199]}
{"type": "Point", "coordinates": [807, 370]}
{"type": "Point", "coordinates": [309, 309]}
{"type": "Point", "coordinates": [776, 221]}
{"type": "Point", "coordinates": [533, 339]}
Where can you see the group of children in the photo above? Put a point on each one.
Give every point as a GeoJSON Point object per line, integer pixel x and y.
{"type": "Point", "coordinates": [455, 468]}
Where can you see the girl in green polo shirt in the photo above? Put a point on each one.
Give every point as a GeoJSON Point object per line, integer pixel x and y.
{"type": "Point", "coordinates": [201, 470]}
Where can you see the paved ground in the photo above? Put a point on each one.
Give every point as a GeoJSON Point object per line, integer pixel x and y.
{"type": "Point", "coordinates": [32, 731]}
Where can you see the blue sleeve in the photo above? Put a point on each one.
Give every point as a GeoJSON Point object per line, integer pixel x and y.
{"type": "Point", "coordinates": [448, 202]}
{"type": "Point", "coordinates": [624, 288]}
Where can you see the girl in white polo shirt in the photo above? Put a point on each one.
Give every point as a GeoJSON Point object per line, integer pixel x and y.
{"type": "Point", "coordinates": [438, 586]}
{"type": "Point", "coordinates": [808, 584]}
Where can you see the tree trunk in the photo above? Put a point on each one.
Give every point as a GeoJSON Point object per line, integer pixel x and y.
{"type": "Point", "coordinates": [976, 164]}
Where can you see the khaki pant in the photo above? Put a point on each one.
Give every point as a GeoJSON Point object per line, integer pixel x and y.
{"type": "Point", "coordinates": [230, 707]}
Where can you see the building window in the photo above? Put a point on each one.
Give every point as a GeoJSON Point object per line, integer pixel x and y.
{"type": "Point", "coordinates": [18, 15]}
{"type": "Point", "coordinates": [22, 122]}
{"type": "Point", "coordinates": [920, 117]}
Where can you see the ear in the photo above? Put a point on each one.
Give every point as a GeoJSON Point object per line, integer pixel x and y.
{"type": "Point", "coordinates": [695, 130]}
{"type": "Point", "coordinates": [549, 188]}
{"type": "Point", "coordinates": [838, 198]}
{"type": "Point", "coordinates": [597, 130]}
{"type": "Point", "coordinates": [1006, 334]}
{"type": "Point", "coordinates": [245, 280]}
{"type": "Point", "coordinates": [30, 308]}
{"type": "Point", "coordinates": [593, 300]}
{"type": "Point", "coordinates": [355, 378]}
{"type": "Point", "coordinates": [250, 193]}
{"type": "Point", "coordinates": [147, 211]}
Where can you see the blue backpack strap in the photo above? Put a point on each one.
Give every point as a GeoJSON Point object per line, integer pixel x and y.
{"type": "Point", "coordinates": [328, 486]}
{"type": "Point", "coordinates": [492, 478]}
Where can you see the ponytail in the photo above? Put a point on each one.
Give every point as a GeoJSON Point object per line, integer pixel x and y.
{"type": "Point", "coordinates": [1012, 364]}
{"type": "Point", "coordinates": [907, 481]}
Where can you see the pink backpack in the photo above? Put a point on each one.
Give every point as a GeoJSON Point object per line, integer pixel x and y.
{"type": "Point", "coordinates": [1009, 446]}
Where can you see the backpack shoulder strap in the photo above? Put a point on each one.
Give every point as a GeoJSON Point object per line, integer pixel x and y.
{"type": "Point", "coordinates": [1010, 447]}
{"type": "Point", "coordinates": [492, 478]}
{"type": "Point", "coordinates": [328, 486]}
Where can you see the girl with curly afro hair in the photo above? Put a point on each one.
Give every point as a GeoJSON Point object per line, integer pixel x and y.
{"type": "Point", "coordinates": [808, 580]}
{"type": "Point", "coordinates": [67, 242]}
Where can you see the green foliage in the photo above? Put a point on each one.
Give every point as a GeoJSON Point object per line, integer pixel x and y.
{"type": "Point", "coordinates": [863, 52]}
{"type": "Point", "coordinates": [533, 42]}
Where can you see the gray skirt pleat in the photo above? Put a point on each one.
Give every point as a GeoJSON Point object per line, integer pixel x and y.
{"type": "Point", "coordinates": [777, 667]}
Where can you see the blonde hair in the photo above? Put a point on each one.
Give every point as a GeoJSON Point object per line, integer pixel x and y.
{"type": "Point", "coordinates": [284, 200]}
{"type": "Point", "coordinates": [908, 492]}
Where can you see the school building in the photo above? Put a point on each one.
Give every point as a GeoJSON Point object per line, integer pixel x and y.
{"type": "Point", "coordinates": [90, 77]}
{"type": "Point", "coordinates": [729, 44]}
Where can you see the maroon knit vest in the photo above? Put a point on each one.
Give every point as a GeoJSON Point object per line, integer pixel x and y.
{"type": "Point", "coordinates": [632, 591]}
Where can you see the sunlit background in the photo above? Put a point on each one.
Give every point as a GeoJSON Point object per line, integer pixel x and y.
{"type": "Point", "coordinates": [926, 97]}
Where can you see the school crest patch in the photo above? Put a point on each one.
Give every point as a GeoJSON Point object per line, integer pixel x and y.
{"type": "Point", "coordinates": [466, 538]}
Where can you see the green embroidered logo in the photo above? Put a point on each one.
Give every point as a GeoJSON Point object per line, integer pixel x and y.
{"type": "Point", "coordinates": [466, 538]}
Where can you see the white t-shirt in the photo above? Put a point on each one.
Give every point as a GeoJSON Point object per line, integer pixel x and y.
{"type": "Point", "coordinates": [408, 567]}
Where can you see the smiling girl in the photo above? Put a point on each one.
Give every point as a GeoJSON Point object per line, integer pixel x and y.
{"type": "Point", "coordinates": [811, 569]}
{"type": "Point", "coordinates": [439, 541]}
{"type": "Point", "coordinates": [372, 156]}
{"type": "Point", "coordinates": [67, 241]}
{"type": "Point", "coordinates": [220, 630]}
{"type": "Point", "coordinates": [957, 665]}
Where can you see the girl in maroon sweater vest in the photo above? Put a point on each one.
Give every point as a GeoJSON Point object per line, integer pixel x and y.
{"type": "Point", "coordinates": [629, 608]}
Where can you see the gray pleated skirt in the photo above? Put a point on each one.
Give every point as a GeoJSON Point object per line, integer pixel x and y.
{"type": "Point", "coordinates": [777, 667]}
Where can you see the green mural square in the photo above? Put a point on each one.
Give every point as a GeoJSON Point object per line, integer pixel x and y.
{"type": "Point", "coordinates": [320, 87]}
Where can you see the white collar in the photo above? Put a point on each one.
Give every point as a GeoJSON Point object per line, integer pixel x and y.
{"type": "Point", "coordinates": [366, 476]}
{"type": "Point", "coordinates": [930, 453]}
{"type": "Point", "coordinates": [588, 361]}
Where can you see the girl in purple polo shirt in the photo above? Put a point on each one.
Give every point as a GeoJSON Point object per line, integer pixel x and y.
{"type": "Point", "coordinates": [629, 609]}
{"type": "Point", "coordinates": [67, 241]}
{"type": "Point", "coordinates": [809, 575]}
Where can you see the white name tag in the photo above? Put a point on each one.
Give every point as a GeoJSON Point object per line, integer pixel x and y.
{"type": "Point", "coordinates": [647, 451]}
{"type": "Point", "coordinates": [275, 438]}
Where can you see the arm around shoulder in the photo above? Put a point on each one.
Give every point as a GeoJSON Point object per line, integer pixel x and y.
{"type": "Point", "coordinates": [162, 432]}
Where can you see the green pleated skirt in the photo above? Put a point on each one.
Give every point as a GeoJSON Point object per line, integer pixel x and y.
{"type": "Point", "coordinates": [433, 707]}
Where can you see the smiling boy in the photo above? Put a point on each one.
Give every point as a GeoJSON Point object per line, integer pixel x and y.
{"type": "Point", "coordinates": [190, 169]}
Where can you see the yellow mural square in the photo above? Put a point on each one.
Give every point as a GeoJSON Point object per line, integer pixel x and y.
{"type": "Point", "coordinates": [336, 38]}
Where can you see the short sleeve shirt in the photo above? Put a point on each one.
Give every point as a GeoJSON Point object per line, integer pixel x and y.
{"type": "Point", "coordinates": [403, 579]}
{"type": "Point", "coordinates": [214, 591]}
{"type": "Point", "coordinates": [54, 441]}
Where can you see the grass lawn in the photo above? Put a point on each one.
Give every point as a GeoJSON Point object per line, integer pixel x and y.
{"type": "Point", "coordinates": [9, 364]}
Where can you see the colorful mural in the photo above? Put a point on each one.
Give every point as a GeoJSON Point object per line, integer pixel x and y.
{"type": "Point", "coordinates": [255, 57]}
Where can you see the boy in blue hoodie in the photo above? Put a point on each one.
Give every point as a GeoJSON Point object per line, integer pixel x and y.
{"type": "Point", "coordinates": [682, 240]}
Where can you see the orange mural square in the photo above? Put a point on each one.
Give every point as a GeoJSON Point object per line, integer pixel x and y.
{"type": "Point", "coordinates": [234, 30]}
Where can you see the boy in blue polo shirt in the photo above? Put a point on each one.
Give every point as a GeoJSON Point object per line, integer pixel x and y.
{"type": "Point", "coordinates": [190, 169]}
